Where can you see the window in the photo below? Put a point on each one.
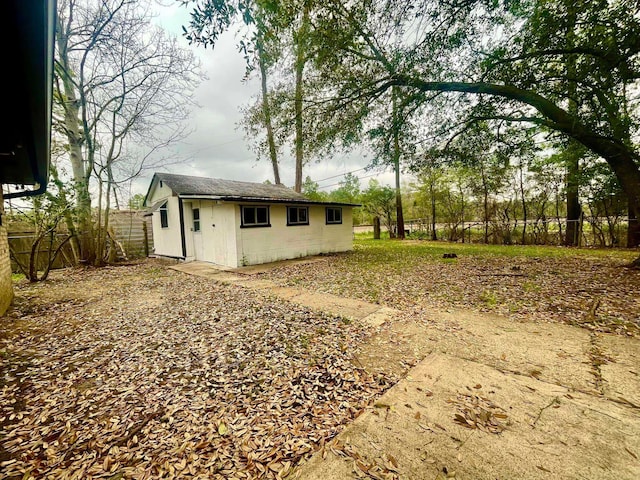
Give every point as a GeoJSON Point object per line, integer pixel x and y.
{"type": "Point", "coordinates": [253, 216]}
{"type": "Point", "coordinates": [334, 215]}
{"type": "Point", "coordinates": [164, 215]}
{"type": "Point", "coordinates": [196, 219]}
{"type": "Point", "coordinates": [297, 215]}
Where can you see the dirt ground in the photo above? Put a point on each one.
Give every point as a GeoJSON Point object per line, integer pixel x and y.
{"type": "Point", "coordinates": [143, 372]}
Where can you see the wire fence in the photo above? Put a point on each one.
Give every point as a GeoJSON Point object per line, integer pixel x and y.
{"type": "Point", "coordinates": [588, 231]}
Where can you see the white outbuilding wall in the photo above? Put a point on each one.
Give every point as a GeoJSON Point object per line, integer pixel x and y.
{"type": "Point", "coordinates": [166, 241]}
{"type": "Point", "coordinates": [268, 244]}
{"type": "Point", "coordinates": [223, 240]}
{"type": "Point", "coordinates": [216, 240]}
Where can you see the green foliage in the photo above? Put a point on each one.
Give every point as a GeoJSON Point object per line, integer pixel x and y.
{"type": "Point", "coordinates": [380, 201]}
{"type": "Point", "coordinates": [310, 189]}
{"type": "Point", "coordinates": [136, 202]}
{"type": "Point", "coordinates": [16, 277]}
{"type": "Point", "coordinates": [348, 191]}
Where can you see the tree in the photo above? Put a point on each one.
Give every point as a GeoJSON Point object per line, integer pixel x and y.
{"type": "Point", "coordinates": [379, 201]}
{"type": "Point", "coordinates": [46, 212]}
{"type": "Point", "coordinates": [348, 191]}
{"type": "Point", "coordinates": [508, 55]}
{"type": "Point", "coordinates": [311, 190]}
{"type": "Point", "coordinates": [211, 18]}
{"type": "Point", "coordinates": [429, 174]}
{"type": "Point", "coordinates": [122, 90]}
{"type": "Point", "coordinates": [136, 202]}
{"type": "Point", "coordinates": [270, 23]}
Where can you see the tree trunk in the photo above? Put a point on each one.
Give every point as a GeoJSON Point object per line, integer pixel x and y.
{"type": "Point", "coordinates": [396, 167]}
{"type": "Point", "coordinates": [633, 232]}
{"type": "Point", "coordinates": [485, 204]}
{"type": "Point", "coordinates": [68, 220]}
{"type": "Point", "coordinates": [573, 154]}
{"type": "Point", "coordinates": [524, 206]}
{"type": "Point", "coordinates": [76, 138]}
{"type": "Point", "coordinates": [376, 228]}
{"type": "Point", "coordinates": [462, 211]}
{"type": "Point", "coordinates": [266, 111]}
{"type": "Point", "coordinates": [574, 210]}
{"type": "Point", "coordinates": [434, 235]}
{"type": "Point", "coordinates": [301, 58]}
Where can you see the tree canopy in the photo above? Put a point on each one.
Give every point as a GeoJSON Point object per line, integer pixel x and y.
{"type": "Point", "coordinates": [568, 68]}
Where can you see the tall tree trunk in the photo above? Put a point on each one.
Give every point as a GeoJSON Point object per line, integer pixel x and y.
{"type": "Point", "coordinates": [266, 111]}
{"type": "Point", "coordinates": [434, 235]}
{"type": "Point", "coordinates": [573, 152]}
{"type": "Point", "coordinates": [485, 204]}
{"type": "Point", "coordinates": [572, 166]}
{"type": "Point", "coordinates": [301, 58]}
{"type": "Point", "coordinates": [75, 136]}
{"type": "Point", "coordinates": [462, 210]}
{"type": "Point", "coordinates": [524, 206]}
{"type": "Point", "coordinates": [99, 231]}
{"type": "Point", "coordinates": [396, 166]}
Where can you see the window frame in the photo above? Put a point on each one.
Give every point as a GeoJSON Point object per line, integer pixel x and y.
{"type": "Point", "coordinates": [196, 219]}
{"type": "Point", "coordinates": [334, 221]}
{"type": "Point", "coordinates": [297, 208]}
{"type": "Point", "coordinates": [164, 215]}
{"type": "Point", "coordinates": [256, 224]}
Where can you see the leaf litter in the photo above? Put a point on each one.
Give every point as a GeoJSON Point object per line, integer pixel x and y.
{"type": "Point", "coordinates": [547, 288]}
{"type": "Point", "coordinates": [141, 372]}
{"type": "Point", "coordinates": [478, 412]}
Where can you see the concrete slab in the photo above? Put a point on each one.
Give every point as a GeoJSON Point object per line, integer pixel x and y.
{"type": "Point", "coordinates": [621, 368]}
{"type": "Point", "coordinates": [267, 267]}
{"type": "Point", "coordinates": [345, 307]}
{"type": "Point", "coordinates": [415, 424]}
{"type": "Point", "coordinates": [551, 352]}
{"type": "Point", "coordinates": [201, 269]}
{"type": "Point", "coordinates": [324, 302]}
{"type": "Point", "coordinates": [380, 316]}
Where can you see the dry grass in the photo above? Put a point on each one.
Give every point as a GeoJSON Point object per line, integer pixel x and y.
{"type": "Point", "coordinates": [523, 283]}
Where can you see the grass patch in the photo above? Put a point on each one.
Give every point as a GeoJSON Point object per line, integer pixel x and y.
{"type": "Point", "coordinates": [530, 286]}
{"type": "Point", "coordinates": [426, 249]}
{"type": "Point", "coordinates": [16, 277]}
{"type": "Point", "coordinates": [489, 298]}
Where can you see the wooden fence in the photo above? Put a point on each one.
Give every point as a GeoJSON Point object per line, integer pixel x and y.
{"type": "Point", "coordinates": [131, 230]}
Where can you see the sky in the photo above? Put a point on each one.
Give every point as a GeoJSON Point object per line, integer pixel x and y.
{"type": "Point", "coordinates": [217, 146]}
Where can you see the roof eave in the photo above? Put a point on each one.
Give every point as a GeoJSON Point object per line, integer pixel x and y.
{"type": "Point", "coordinates": [229, 198]}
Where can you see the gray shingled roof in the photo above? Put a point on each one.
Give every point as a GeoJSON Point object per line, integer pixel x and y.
{"type": "Point", "coordinates": [186, 185]}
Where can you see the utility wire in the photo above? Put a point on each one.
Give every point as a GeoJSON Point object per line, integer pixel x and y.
{"type": "Point", "coordinates": [340, 175]}
{"type": "Point", "coordinates": [359, 178]}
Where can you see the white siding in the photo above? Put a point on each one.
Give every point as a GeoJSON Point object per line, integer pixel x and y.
{"type": "Point", "coordinates": [166, 241]}
{"type": "Point", "coordinates": [222, 241]}
{"type": "Point", "coordinates": [278, 242]}
{"type": "Point", "coordinates": [216, 241]}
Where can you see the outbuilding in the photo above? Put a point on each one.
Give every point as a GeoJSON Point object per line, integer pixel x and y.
{"type": "Point", "coordinates": [236, 223]}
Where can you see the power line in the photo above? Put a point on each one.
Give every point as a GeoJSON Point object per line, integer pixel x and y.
{"type": "Point", "coordinates": [340, 174]}
{"type": "Point", "coordinates": [359, 178]}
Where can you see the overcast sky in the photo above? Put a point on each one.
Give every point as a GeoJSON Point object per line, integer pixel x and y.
{"type": "Point", "coordinates": [217, 147]}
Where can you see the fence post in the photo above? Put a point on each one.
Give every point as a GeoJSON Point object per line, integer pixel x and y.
{"type": "Point", "coordinates": [146, 238]}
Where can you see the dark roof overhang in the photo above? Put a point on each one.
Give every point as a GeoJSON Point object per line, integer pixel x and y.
{"type": "Point", "coordinates": [245, 199]}
{"type": "Point", "coordinates": [26, 49]}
